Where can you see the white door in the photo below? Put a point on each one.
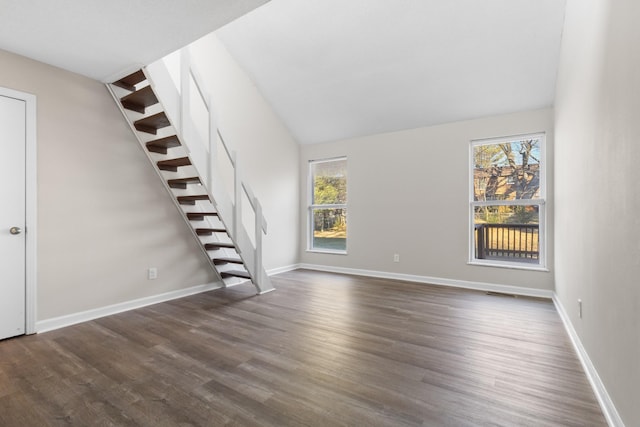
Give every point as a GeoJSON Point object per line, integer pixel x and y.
{"type": "Point", "coordinates": [12, 217]}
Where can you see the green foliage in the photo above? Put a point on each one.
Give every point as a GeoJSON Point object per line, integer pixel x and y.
{"type": "Point", "coordinates": [491, 215]}
{"type": "Point", "coordinates": [506, 215]}
{"type": "Point", "coordinates": [485, 156]}
{"type": "Point", "coordinates": [329, 190]}
{"type": "Point", "coordinates": [329, 220]}
{"type": "Point", "coordinates": [522, 215]}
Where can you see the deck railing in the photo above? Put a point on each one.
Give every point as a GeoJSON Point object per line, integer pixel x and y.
{"type": "Point", "coordinates": [507, 241]}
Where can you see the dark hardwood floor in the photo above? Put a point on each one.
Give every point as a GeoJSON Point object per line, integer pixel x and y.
{"type": "Point", "coordinates": [323, 350]}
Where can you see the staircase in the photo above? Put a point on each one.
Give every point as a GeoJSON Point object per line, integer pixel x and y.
{"type": "Point", "coordinates": [190, 181]}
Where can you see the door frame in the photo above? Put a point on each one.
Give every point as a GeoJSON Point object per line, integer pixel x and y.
{"type": "Point", "coordinates": [31, 207]}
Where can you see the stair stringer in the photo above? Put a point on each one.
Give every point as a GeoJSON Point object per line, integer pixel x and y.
{"type": "Point", "coordinates": [261, 282]}
{"type": "Point", "coordinates": [167, 92]}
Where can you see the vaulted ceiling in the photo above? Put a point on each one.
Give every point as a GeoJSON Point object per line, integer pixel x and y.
{"type": "Point", "coordinates": [335, 69]}
{"type": "Point", "coordinates": [332, 69]}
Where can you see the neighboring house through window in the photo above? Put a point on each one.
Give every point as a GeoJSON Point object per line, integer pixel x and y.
{"type": "Point", "coordinates": [328, 205]}
{"type": "Point", "coordinates": [507, 201]}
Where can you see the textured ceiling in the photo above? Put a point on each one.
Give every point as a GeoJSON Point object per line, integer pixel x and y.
{"type": "Point", "coordinates": [103, 39]}
{"type": "Point", "coordinates": [336, 69]}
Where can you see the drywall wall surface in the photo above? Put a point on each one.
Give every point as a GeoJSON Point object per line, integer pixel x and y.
{"type": "Point", "coordinates": [103, 214]}
{"type": "Point", "coordinates": [597, 193]}
{"type": "Point", "coordinates": [408, 194]}
{"type": "Point", "coordinates": [267, 153]}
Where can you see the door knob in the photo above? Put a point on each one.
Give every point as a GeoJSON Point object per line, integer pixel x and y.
{"type": "Point", "coordinates": [15, 230]}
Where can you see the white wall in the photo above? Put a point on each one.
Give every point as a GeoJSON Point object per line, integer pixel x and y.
{"type": "Point", "coordinates": [597, 191]}
{"type": "Point", "coordinates": [103, 214]}
{"type": "Point", "coordinates": [267, 152]}
{"type": "Point", "coordinates": [408, 194]}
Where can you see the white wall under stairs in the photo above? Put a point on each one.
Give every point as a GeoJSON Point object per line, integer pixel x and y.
{"type": "Point", "coordinates": [269, 153]}
{"type": "Point", "coordinates": [103, 216]}
{"type": "Point", "coordinates": [187, 98]}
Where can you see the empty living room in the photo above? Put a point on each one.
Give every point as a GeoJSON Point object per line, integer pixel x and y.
{"type": "Point", "coordinates": [320, 213]}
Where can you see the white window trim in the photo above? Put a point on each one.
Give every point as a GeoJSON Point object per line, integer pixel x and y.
{"type": "Point", "coordinates": [311, 207]}
{"type": "Point", "coordinates": [541, 202]}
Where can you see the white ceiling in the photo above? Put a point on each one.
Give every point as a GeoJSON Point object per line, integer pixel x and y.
{"type": "Point", "coordinates": [332, 69]}
{"type": "Point", "coordinates": [104, 39]}
{"type": "Point", "coordinates": [336, 69]}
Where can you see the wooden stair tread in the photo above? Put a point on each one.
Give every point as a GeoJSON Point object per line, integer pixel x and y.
{"type": "Point", "coordinates": [139, 100]}
{"type": "Point", "coordinates": [161, 145]}
{"type": "Point", "coordinates": [199, 216]}
{"type": "Point", "coordinates": [129, 82]}
{"type": "Point", "coordinates": [183, 182]}
{"type": "Point", "coordinates": [235, 273]}
{"type": "Point", "coordinates": [209, 231]}
{"type": "Point", "coordinates": [152, 123]}
{"type": "Point", "coordinates": [226, 260]}
{"type": "Point", "coordinates": [218, 245]}
{"type": "Point", "coordinates": [172, 165]}
{"type": "Point", "coordinates": [191, 200]}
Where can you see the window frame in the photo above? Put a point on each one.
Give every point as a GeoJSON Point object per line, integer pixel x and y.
{"type": "Point", "coordinates": [311, 207]}
{"type": "Point", "coordinates": [540, 202]}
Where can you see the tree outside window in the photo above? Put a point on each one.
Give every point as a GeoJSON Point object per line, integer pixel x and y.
{"type": "Point", "coordinates": [507, 200]}
{"type": "Point", "coordinates": [328, 206]}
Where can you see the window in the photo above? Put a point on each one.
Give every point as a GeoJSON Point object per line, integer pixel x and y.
{"type": "Point", "coordinates": [328, 205]}
{"type": "Point", "coordinates": [507, 205]}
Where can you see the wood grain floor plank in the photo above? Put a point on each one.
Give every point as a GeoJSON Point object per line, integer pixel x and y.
{"type": "Point", "coordinates": [324, 350]}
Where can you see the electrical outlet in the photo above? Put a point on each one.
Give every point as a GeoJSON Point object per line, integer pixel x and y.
{"type": "Point", "coordinates": [396, 257]}
{"type": "Point", "coordinates": [580, 308]}
{"type": "Point", "coordinates": [152, 273]}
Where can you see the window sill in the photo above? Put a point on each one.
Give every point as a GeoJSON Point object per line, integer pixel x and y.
{"type": "Point", "coordinates": [326, 251]}
{"type": "Point", "coordinates": [511, 265]}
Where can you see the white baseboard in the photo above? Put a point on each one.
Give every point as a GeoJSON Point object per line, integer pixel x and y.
{"type": "Point", "coordinates": [284, 269]}
{"type": "Point", "coordinates": [608, 408]}
{"type": "Point", "coordinates": [270, 272]}
{"type": "Point", "coordinates": [507, 289]}
{"type": "Point", "coordinates": [84, 316]}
